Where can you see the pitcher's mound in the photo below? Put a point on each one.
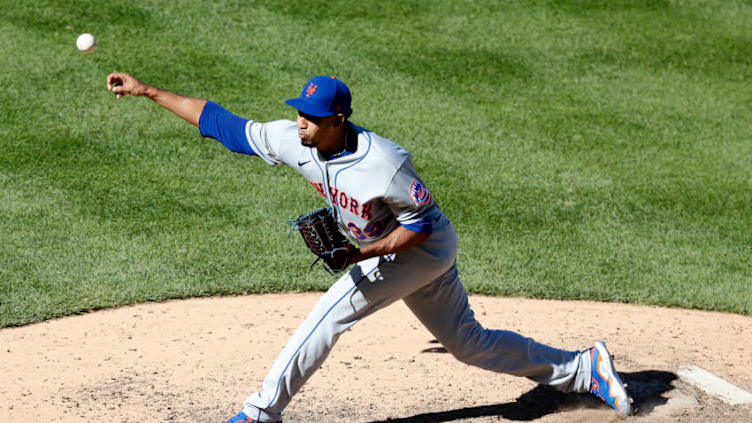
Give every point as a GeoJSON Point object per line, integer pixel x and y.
{"type": "Point", "coordinates": [196, 361]}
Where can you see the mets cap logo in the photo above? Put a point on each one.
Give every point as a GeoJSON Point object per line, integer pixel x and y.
{"type": "Point", "coordinates": [311, 89]}
{"type": "Point", "coordinates": [419, 193]}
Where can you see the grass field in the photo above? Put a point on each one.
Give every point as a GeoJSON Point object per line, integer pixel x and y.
{"type": "Point", "coordinates": [584, 149]}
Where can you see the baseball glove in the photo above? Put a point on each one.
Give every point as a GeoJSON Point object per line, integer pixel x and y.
{"type": "Point", "coordinates": [323, 238]}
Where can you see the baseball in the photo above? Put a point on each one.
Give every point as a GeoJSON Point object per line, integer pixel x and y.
{"type": "Point", "coordinates": [86, 43]}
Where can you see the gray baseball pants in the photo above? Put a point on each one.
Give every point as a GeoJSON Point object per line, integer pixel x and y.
{"type": "Point", "coordinates": [426, 279]}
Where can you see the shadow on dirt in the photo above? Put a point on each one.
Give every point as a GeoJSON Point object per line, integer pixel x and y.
{"type": "Point", "coordinates": [646, 387]}
{"type": "Point", "coordinates": [440, 349]}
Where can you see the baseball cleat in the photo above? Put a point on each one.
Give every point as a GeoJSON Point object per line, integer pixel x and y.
{"type": "Point", "coordinates": [605, 382]}
{"type": "Point", "coordinates": [243, 418]}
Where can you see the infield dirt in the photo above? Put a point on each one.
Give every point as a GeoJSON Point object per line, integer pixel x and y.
{"type": "Point", "coordinates": [196, 360]}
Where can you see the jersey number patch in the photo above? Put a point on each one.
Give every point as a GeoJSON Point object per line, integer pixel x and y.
{"type": "Point", "coordinates": [372, 230]}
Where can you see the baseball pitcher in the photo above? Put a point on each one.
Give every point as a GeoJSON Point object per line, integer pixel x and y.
{"type": "Point", "coordinates": [398, 245]}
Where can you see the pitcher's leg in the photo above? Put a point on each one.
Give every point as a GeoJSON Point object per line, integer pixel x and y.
{"type": "Point", "coordinates": [443, 308]}
{"type": "Point", "coordinates": [309, 346]}
{"type": "Point", "coordinates": [370, 285]}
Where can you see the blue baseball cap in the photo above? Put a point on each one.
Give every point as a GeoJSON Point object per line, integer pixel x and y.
{"type": "Point", "coordinates": [323, 96]}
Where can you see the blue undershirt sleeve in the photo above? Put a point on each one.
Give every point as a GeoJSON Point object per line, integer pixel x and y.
{"type": "Point", "coordinates": [229, 129]}
{"type": "Point", "coordinates": [422, 226]}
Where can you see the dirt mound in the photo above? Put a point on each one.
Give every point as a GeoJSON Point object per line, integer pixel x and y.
{"type": "Point", "coordinates": [196, 360]}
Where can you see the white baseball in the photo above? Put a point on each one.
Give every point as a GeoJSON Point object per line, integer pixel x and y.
{"type": "Point", "coordinates": [86, 43]}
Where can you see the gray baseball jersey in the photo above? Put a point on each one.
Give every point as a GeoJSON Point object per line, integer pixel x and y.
{"type": "Point", "coordinates": [374, 188]}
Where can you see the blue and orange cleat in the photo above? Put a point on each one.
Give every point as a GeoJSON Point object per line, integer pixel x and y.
{"type": "Point", "coordinates": [605, 382]}
{"type": "Point", "coordinates": [243, 418]}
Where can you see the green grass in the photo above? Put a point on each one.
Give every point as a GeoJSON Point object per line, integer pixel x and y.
{"type": "Point", "coordinates": [584, 149]}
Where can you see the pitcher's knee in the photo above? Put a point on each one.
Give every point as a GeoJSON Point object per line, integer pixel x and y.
{"type": "Point", "coordinates": [475, 349]}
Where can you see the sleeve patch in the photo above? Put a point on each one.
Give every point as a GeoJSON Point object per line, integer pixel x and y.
{"type": "Point", "coordinates": [419, 193]}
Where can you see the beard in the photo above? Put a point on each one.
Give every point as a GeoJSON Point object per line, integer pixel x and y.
{"type": "Point", "coordinates": [305, 141]}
